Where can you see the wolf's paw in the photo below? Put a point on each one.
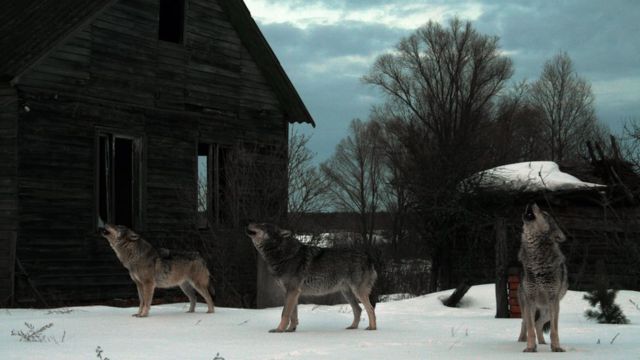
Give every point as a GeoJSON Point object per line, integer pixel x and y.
{"type": "Point", "coordinates": [533, 349]}
{"type": "Point", "coordinates": [557, 349]}
{"type": "Point", "coordinates": [276, 331]}
{"type": "Point", "coordinates": [210, 311]}
{"type": "Point", "coordinates": [352, 327]}
{"type": "Point", "coordinates": [190, 311]}
{"type": "Point", "coordinates": [135, 315]}
{"type": "Point", "coordinates": [370, 328]}
{"type": "Point", "coordinates": [542, 342]}
{"type": "Point", "coordinates": [290, 330]}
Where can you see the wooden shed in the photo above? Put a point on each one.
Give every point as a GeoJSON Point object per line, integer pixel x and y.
{"type": "Point", "coordinates": [602, 226]}
{"type": "Point", "coordinates": [106, 109]}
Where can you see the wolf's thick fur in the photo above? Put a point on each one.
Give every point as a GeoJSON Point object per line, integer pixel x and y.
{"type": "Point", "coordinates": [544, 281]}
{"type": "Point", "coordinates": [150, 268]}
{"type": "Point", "coordinates": [311, 270]}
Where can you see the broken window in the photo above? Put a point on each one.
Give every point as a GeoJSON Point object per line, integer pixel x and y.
{"type": "Point", "coordinates": [171, 21]}
{"type": "Point", "coordinates": [212, 185]}
{"type": "Point", "coordinates": [118, 183]}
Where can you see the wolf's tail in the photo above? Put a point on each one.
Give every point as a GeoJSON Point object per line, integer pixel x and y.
{"type": "Point", "coordinates": [376, 264]}
{"type": "Point", "coordinates": [211, 289]}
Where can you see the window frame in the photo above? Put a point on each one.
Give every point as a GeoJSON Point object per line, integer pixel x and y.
{"type": "Point", "coordinates": [214, 213]}
{"type": "Point", "coordinates": [138, 195]}
{"type": "Point", "coordinates": [183, 25]}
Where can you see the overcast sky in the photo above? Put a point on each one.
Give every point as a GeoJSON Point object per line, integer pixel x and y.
{"type": "Point", "coordinates": [326, 46]}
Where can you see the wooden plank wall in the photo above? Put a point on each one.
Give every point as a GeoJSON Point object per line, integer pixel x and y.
{"type": "Point", "coordinates": [594, 234]}
{"type": "Point", "coordinates": [116, 74]}
{"type": "Point", "coordinates": [8, 186]}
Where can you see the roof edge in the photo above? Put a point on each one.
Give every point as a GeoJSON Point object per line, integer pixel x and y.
{"type": "Point", "coordinates": [240, 17]}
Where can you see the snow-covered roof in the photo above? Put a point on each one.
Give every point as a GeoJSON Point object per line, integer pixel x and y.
{"type": "Point", "coordinates": [528, 176]}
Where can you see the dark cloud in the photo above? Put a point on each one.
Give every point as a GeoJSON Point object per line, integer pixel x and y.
{"type": "Point", "coordinates": [321, 41]}
{"type": "Point", "coordinates": [596, 34]}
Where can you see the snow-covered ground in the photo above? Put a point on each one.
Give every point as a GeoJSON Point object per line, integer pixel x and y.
{"type": "Point", "coordinates": [529, 176]}
{"type": "Point", "coordinates": [417, 328]}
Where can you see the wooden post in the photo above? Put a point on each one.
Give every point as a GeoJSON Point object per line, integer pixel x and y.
{"type": "Point", "coordinates": [12, 268]}
{"type": "Point", "coordinates": [501, 249]}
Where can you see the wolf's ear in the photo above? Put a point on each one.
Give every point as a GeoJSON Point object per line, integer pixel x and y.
{"type": "Point", "coordinates": [285, 233]}
{"type": "Point", "coordinates": [558, 236]}
{"type": "Point", "coordinates": [132, 235]}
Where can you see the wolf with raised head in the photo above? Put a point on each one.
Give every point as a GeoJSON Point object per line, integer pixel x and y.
{"type": "Point", "coordinates": [311, 270]}
{"type": "Point", "coordinates": [150, 268]}
{"type": "Point", "coordinates": [544, 277]}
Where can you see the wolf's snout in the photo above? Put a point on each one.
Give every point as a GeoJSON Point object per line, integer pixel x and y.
{"type": "Point", "coordinates": [529, 215]}
{"type": "Point", "coordinates": [103, 231]}
{"type": "Point", "coordinates": [251, 230]}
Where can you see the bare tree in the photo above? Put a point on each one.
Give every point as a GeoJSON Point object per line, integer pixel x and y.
{"type": "Point", "coordinates": [567, 105]}
{"type": "Point", "coordinates": [441, 84]}
{"type": "Point", "coordinates": [307, 187]}
{"type": "Point", "coordinates": [354, 175]}
{"type": "Point", "coordinates": [393, 157]}
{"type": "Point", "coordinates": [518, 131]}
{"type": "Point", "coordinates": [630, 142]}
{"type": "Point", "coordinates": [444, 79]}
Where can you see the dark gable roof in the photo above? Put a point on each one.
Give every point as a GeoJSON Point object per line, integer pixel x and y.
{"type": "Point", "coordinates": [30, 29]}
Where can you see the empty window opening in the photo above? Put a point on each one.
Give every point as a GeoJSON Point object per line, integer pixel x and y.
{"type": "Point", "coordinates": [204, 185]}
{"type": "Point", "coordinates": [171, 21]}
{"type": "Point", "coordinates": [212, 185]}
{"type": "Point", "coordinates": [118, 180]}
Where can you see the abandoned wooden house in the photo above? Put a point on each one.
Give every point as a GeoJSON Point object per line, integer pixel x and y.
{"type": "Point", "coordinates": [118, 111]}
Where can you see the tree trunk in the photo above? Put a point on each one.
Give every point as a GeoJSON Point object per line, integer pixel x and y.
{"type": "Point", "coordinates": [458, 294]}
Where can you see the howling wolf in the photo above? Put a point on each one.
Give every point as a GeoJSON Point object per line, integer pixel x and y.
{"type": "Point", "coordinates": [303, 269]}
{"type": "Point", "coordinates": [150, 268]}
{"type": "Point", "coordinates": [544, 281]}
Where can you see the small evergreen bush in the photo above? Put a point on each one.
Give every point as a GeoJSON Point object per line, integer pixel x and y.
{"type": "Point", "coordinates": [608, 311]}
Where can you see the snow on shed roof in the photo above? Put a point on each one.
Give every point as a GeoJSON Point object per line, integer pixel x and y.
{"type": "Point", "coordinates": [529, 176]}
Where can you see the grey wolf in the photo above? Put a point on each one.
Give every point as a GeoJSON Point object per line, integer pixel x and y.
{"type": "Point", "coordinates": [150, 268]}
{"type": "Point", "coordinates": [544, 277]}
{"type": "Point", "coordinates": [304, 269]}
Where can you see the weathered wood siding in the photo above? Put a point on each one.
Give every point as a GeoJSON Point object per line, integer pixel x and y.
{"type": "Point", "coordinates": [8, 187]}
{"type": "Point", "coordinates": [115, 74]}
{"type": "Point", "coordinates": [594, 234]}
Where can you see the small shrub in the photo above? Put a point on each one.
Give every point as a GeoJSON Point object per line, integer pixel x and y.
{"type": "Point", "coordinates": [609, 312]}
{"type": "Point", "coordinates": [99, 352]}
{"type": "Point", "coordinates": [35, 335]}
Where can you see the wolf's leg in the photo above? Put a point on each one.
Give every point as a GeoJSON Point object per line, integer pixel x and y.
{"type": "Point", "coordinates": [528, 315]}
{"type": "Point", "coordinates": [147, 296]}
{"type": "Point", "coordinates": [291, 300]}
{"type": "Point", "coordinates": [523, 332]}
{"type": "Point", "coordinates": [523, 325]}
{"type": "Point", "coordinates": [293, 323]}
{"type": "Point", "coordinates": [357, 311]}
{"type": "Point", "coordinates": [140, 298]}
{"type": "Point", "coordinates": [188, 290]}
{"type": "Point", "coordinates": [363, 296]}
{"type": "Point", "coordinates": [202, 287]}
{"type": "Point", "coordinates": [554, 312]}
{"type": "Point", "coordinates": [544, 317]}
